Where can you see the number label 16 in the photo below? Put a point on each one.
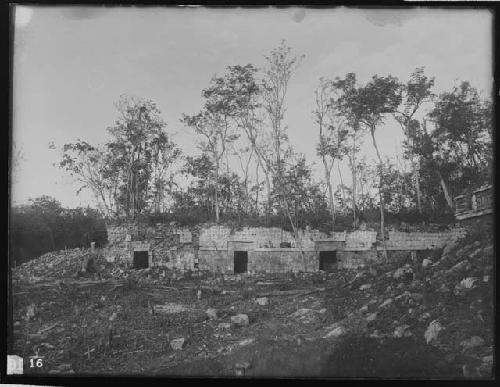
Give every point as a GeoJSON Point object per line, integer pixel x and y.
{"type": "Point", "coordinates": [36, 362]}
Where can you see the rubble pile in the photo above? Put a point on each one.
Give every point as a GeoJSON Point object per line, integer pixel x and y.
{"type": "Point", "coordinates": [58, 265]}
{"type": "Point", "coordinates": [446, 303]}
{"type": "Point", "coordinates": [435, 311]}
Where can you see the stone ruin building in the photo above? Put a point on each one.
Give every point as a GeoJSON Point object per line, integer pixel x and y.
{"type": "Point", "coordinates": [217, 248]}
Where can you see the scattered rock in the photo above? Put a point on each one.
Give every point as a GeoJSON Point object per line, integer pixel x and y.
{"type": "Point", "coordinates": [476, 253]}
{"type": "Point", "coordinates": [449, 247]}
{"type": "Point", "coordinates": [467, 283]}
{"type": "Point", "coordinates": [262, 301]}
{"type": "Point", "coordinates": [486, 367]}
{"type": "Point", "coordinates": [402, 331]}
{"type": "Point", "coordinates": [335, 333]}
{"type": "Point", "coordinates": [30, 312]}
{"type": "Point", "coordinates": [376, 334]}
{"type": "Point", "coordinates": [177, 344]}
{"type": "Point", "coordinates": [246, 342]}
{"type": "Point", "coordinates": [468, 371]}
{"type": "Point", "coordinates": [432, 331]}
{"type": "Point", "coordinates": [64, 367]}
{"type": "Point", "coordinates": [474, 341]}
{"type": "Point", "coordinates": [211, 313]}
{"type": "Point", "coordinates": [240, 319]}
{"type": "Point", "coordinates": [404, 272]}
{"type": "Point", "coordinates": [305, 315]}
{"type": "Point", "coordinates": [416, 285]}
{"type": "Point", "coordinates": [170, 308]}
{"type": "Point", "coordinates": [241, 367]}
{"type": "Point", "coordinates": [459, 267]}
{"type": "Point", "coordinates": [37, 336]}
{"type": "Point", "coordinates": [386, 303]}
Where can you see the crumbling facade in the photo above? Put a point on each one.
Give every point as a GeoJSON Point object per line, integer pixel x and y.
{"type": "Point", "coordinates": [477, 203]}
{"type": "Point", "coordinates": [218, 248]}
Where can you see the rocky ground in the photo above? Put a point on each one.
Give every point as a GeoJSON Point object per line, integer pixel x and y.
{"type": "Point", "coordinates": [428, 318]}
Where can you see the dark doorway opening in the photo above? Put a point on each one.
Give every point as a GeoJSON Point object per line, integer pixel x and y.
{"type": "Point", "coordinates": [240, 261]}
{"type": "Point", "coordinates": [328, 260]}
{"type": "Point", "coordinates": [141, 259]}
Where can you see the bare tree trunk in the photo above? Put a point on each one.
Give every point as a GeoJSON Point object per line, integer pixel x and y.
{"type": "Point", "coordinates": [330, 192]}
{"type": "Point", "coordinates": [296, 234]}
{"type": "Point", "coordinates": [416, 179]}
{"type": "Point", "coordinates": [216, 196]}
{"type": "Point", "coordinates": [258, 189]}
{"type": "Point", "coordinates": [353, 171]}
{"type": "Point", "coordinates": [342, 183]}
{"type": "Point", "coordinates": [445, 191]}
{"type": "Point", "coordinates": [381, 194]}
{"type": "Point", "coordinates": [52, 238]}
{"type": "Point", "coordinates": [417, 186]}
{"type": "Point", "coordinates": [354, 177]}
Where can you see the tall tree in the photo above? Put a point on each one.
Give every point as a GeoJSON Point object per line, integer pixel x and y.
{"type": "Point", "coordinates": [281, 64]}
{"type": "Point", "coordinates": [214, 126]}
{"type": "Point", "coordinates": [127, 174]}
{"type": "Point", "coordinates": [462, 123]}
{"type": "Point", "coordinates": [332, 136]}
{"type": "Point", "coordinates": [372, 102]}
{"type": "Point", "coordinates": [416, 92]}
{"type": "Point", "coordinates": [93, 168]}
{"type": "Point", "coordinates": [138, 126]}
{"type": "Point", "coordinates": [457, 149]}
{"type": "Point", "coordinates": [244, 97]}
{"type": "Point", "coordinates": [345, 89]}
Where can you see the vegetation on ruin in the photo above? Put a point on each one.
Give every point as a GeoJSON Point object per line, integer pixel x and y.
{"type": "Point", "coordinates": [247, 173]}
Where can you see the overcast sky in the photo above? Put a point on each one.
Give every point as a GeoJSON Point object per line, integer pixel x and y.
{"type": "Point", "coordinates": [72, 63]}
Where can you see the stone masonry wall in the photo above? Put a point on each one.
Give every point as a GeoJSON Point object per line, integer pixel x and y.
{"type": "Point", "coordinates": [360, 240]}
{"type": "Point", "coordinates": [354, 259]}
{"type": "Point", "coordinates": [282, 261]}
{"type": "Point", "coordinates": [265, 260]}
{"type": "Point", "coordinates": [421, 240]}
{"type": "Point", "coordinates": [217, 261]}
{"type": "Point", "coordinates": [213, 246]}
{"type": "Point", "coordinates": [218, 236]}
{"type": "Point", "coordinates": [167, 246]}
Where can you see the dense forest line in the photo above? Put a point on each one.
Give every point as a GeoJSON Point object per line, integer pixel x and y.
{"type": "Point", "coordinates": [44, 225]}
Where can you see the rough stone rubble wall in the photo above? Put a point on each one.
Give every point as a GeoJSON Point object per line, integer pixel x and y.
{"type": "Point", "coordinates": [167, 246]}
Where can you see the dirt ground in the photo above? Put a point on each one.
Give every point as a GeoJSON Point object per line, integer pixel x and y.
{"type": "Point", "coordinates": [395, 320]}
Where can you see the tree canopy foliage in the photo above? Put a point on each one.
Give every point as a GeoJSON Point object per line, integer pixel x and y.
{"type": "Point", "coordinates": [247, 168]}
